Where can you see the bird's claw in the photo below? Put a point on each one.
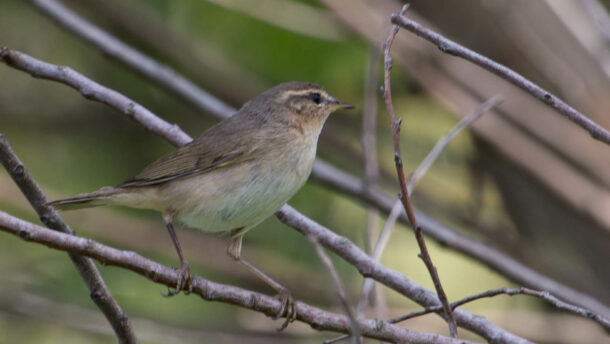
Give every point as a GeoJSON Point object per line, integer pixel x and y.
{"type": "Point", "coordinates": [184, 282]}
{"type": "Point", "coordinates": [288, 309]}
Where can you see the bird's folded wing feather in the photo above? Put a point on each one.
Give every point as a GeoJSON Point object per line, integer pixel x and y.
{"type": "Point", "coordinates": [214, 149]}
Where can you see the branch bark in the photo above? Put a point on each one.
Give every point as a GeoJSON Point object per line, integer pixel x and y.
{"type": "Point", "coordinates": [208, 290]}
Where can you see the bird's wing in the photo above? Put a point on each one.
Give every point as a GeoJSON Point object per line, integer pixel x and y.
{"type": "Point", "coordinates": [223, 145]}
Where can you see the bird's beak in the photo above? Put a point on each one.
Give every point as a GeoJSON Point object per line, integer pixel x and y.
{"type": "Point", "coordinates": [337, 104]}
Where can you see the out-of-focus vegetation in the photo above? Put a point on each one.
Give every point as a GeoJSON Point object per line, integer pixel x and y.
{"type": "Point", "coordinates": [72, 145]}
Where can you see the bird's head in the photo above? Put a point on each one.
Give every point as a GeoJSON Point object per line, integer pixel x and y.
{"type": "Point", "coordinates": [298, 102]}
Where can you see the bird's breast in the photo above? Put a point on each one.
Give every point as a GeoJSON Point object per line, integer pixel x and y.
{"type": "Point", "coordinates": [242, 195]}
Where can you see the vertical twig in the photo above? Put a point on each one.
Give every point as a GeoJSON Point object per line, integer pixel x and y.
{"type": "Point", "coordinates": [99, 292]}
{"type": "Point", "coordinates": [404, 194]}
{"type": "Point", "coordinates": [355, 333]}
{"type": "Point", "coordinates": [371, 167]}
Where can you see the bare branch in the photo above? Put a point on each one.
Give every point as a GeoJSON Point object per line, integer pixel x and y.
{"type": "Point", "coordinates": [445, 140]}
{"type": "Point", "coordinates": [208, 290]}
{"type": "Point", "coordinates": [452, 48]}
{"type": "Point", "coordinates": [354, 333]}
{"type": "Point", "coordinates": [99, 292]}
{"type": "Point", "coordinates": [347, 184]}
{"type": "Point", "coordinates": [404, 193]}
{"type": "Point", "coordinates": [146, 66]}
{"type": "Point", "coordinates": [544, 295]}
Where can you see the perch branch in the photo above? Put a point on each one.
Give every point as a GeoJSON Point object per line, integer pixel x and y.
{"type": "Point", "coordinates": [404, 193]}
{"type": "Point", "coordinates": [208, 290]}
{"type": "Point", "coordinates": [99, 292]}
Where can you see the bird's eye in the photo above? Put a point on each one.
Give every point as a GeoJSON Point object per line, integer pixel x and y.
{"type": "Point", "coordinates": [315, 97]}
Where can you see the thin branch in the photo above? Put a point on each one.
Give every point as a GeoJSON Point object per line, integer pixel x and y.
{"type": "Point", "coordinates": [404, 193]}
{"type": "Point", "coordinates": [99, 292]}
{"type": "Point", "coordinates": [452, 48]}
{"type": "Point", "coordinates": [146, 66]}
{"type": "Point", "coordinates": [208, 290]}
{"type": "Point", "coordinates": [445, 140]}
{"type": "Point", "coordinates": [544, 295]}
{"type": "Point", "coordinates": [354, 332]}
{"type": "Point", "coordinates": [349, 185]}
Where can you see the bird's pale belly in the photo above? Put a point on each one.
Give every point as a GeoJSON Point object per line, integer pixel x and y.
{"type": "Point", "coordinates": [236, 197]}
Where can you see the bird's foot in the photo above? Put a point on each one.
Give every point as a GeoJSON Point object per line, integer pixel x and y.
{"type": "Point", "coordinates": [184, 281]}
{"type": "Point", "coordinates": [288, 308]}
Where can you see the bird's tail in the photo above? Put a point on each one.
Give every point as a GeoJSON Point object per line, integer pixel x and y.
{"type": "Point", "coordinates": [102, 196]}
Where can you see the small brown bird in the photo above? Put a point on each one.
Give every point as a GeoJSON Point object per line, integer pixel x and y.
{"type": "Point", "coordinates": [233, 176]}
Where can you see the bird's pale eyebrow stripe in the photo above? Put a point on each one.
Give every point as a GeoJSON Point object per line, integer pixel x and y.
{"type": "Point", "coordinates": [305, 92]}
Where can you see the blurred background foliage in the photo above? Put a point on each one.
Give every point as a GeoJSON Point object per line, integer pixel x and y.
{"type": "Point", "coordinates": [236, 49]}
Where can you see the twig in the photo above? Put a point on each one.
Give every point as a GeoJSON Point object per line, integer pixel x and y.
{"type": "Point", "coordinates": [404, 193]}
{"type": "Point", "coordinates": [515, 291]}
{"type": "Point", "coordinates": [452, 48]}
{"type": "Point", "coordinates": [391, 278]}
{"type": "Point", "coordinates": [146, 66]}
{"type": "Point", "coordinates": [484, 328]}
{"type": "Point", "coordinates": [354, 332]}
{"type": "Point", "coordinates": [347, 184]}
{"type": "Point", "coordinates": [99, 292]}
{"type": "Point", "coordinates": [445, 140]}
{"type": "Point", "coordinates": [208, 290]}
{"type": "Point", "coordinates": [371, 166]}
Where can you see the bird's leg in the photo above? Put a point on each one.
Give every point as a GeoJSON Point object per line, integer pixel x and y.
{"type": "Point", "coordinates": [184, 272]}
{"type": "Point", "coordinates": [288, 309]}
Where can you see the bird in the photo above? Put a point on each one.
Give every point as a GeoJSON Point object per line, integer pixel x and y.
{"type": "Point", "coordinates": [233, 176]}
